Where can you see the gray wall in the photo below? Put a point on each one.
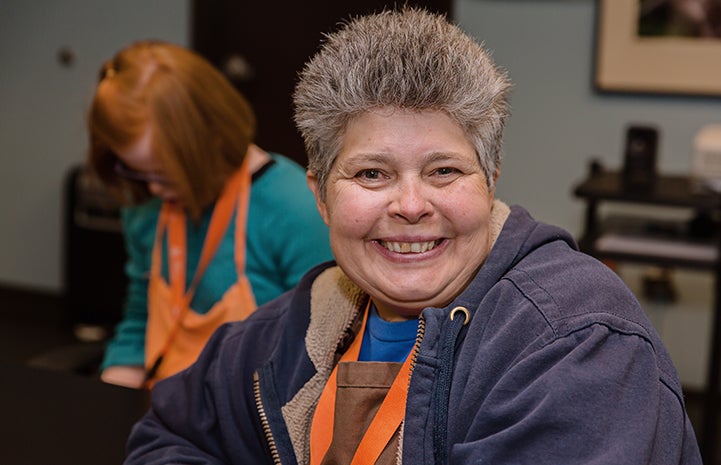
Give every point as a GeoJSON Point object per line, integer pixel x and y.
{"type": "Point", "coordinates": [42, 113]}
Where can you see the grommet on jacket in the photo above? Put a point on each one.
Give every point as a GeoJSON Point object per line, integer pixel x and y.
{"type": "Point", "coordinates": [466, 314]}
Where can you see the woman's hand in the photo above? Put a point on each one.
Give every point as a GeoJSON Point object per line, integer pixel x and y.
{"type": "Point", "coordinates": [128, 376]}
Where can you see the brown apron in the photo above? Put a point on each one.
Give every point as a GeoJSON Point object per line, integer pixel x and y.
{"type": "Point", "coordinates": [358, 417]}
{"type": "Point", "coordinates": [175, 333]}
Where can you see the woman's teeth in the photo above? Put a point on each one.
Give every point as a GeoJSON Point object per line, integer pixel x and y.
{"type": "Point", "coordinates": [409, 247]}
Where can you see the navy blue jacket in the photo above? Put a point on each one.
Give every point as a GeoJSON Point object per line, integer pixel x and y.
{"type": "Point", "coordinates": [557, 364]}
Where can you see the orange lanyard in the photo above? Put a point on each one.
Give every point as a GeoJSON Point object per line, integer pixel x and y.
{"type": "Point", "coordinates": [173, 218]}
{"type": "Point", "coordinates": [384, 423]}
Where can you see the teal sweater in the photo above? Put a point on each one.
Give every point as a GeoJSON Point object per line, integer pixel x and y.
{"type": "Point", "coordinates": [285, 237]}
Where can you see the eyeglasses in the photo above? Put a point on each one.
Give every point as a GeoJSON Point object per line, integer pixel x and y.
{"type": "Point", "coordinates": [122, 170]}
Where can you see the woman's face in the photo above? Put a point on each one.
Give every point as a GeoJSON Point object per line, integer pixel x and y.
{"type": "Point", "coordinates": [141, 164]}
{"type": "Point", "coordinates": [408, 209]}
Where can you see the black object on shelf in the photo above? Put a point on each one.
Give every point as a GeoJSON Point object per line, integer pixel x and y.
{"type": "Point", "coordinates": [639, 168]}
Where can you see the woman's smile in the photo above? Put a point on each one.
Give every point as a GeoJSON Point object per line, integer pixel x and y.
{"type": "Point", "coordinates": [408, 207]}
{"type": "Point", "coordinates": [409, 247]}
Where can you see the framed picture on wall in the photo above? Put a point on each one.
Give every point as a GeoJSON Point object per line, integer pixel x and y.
{"type": "Point", "coordinates": [658, 46]}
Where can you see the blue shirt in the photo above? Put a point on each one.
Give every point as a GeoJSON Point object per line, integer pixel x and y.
{"type": "Point", "coordinates": [387, 341]}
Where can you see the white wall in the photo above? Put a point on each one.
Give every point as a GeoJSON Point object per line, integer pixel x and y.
{"type": "Point", "coordinates": [42, 113]}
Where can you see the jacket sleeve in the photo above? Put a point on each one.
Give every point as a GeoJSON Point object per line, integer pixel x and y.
{"type": "Point", "coordinates": [594, 396]}
{"type": "Point", "coordinates": [205, 414]}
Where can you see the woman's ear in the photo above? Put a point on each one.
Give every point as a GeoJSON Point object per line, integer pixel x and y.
{"type": "Point", "coordinates": [495, 180]}
{"type": "Point", "coordinates": [312, 181]}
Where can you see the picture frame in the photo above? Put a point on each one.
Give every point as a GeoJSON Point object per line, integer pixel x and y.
{"type": "Point", "coordinates": [629, 59]}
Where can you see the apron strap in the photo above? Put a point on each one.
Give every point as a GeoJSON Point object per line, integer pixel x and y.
{"type": "Point", "coordinates": [382, 427]}
{"type": "Point", "coordinates": [173, 218]}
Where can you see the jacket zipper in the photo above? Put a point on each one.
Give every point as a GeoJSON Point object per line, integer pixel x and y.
{"type": "Point", "coordinates": [419, 337]}
{"type": "Point", "coordinates": [416, 349]}
{"type": "Point", "coordinates": [459, 317]}
{"type": "Point", "coordinates": [264, 420]}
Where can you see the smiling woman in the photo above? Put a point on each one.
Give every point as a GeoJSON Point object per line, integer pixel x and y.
{"type": "Point", "coordinates": [408, 206]}
{"type": "Point", "coordinates": [451, 328]}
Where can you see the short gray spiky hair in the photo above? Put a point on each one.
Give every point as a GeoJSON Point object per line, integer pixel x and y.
{"type": "Point", "coordinates": [409, 59]}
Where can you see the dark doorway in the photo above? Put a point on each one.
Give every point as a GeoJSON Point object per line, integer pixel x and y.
{"type": "Point", "coordinates": [263, 45]}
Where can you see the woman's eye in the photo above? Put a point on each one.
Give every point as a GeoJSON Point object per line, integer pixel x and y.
{"type": "Point", "coordinates": [446, 171]}
{"type": "Point", "coordinates": [368, 174]}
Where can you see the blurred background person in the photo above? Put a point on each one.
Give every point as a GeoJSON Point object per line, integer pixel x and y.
{"type": "Point", "coordinates": [213, 224]}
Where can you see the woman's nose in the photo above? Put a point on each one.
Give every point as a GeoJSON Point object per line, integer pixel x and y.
{"type": "Point", "coordinates": [411, 201]}
{"type": "Point", "coordinates": [156, 188]}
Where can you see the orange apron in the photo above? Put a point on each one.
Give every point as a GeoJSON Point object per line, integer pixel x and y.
{"type": "Point", "coordinates": [175, 333]}
{"type": "Point", "coordinates": [382, 427]}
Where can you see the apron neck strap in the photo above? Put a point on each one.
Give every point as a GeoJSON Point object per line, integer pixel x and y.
{"type": "Point", "coordinates": [383, 426]}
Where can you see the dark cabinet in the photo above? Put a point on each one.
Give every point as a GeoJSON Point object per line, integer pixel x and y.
{"type": "Point", "coordinates": [261, 47]}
